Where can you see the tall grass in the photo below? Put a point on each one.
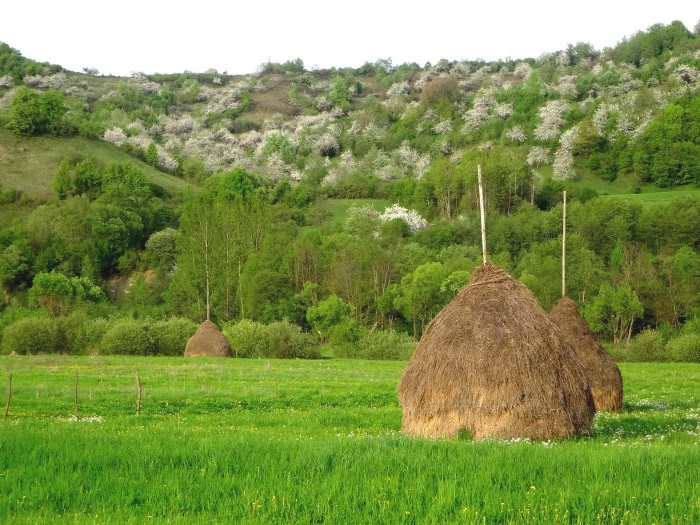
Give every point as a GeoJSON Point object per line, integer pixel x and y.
{"type": "Point", "coordinates": [268, 441]}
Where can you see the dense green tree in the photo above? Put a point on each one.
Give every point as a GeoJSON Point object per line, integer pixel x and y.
{"type": "Point", "coordinates": [32, 113]}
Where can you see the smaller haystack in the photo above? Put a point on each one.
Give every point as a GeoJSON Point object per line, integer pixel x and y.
{"type": "Point", "coordinates": [492, 363]}
{"type": "Point", "coordinates": [208, 341]}
{"type": "Point", "coordinates": [602, 373]}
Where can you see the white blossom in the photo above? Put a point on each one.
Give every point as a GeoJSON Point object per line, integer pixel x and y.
{"type": "Point", "coordinates": [485, 146]}
{"type": "Point", "coordinates": [144, 84]}
{"type": "Point", "coordinates": [563, 166]}
{"type": "Point", "coordinates": [399, 88]}
{"type": "Point", "coordinates": [6, 81]}
{"type": "Point", "coordinates": [165, 160]}
{"type": "Point", "coordinates": [411, 217]}
{"type": "Point", "coordinates": [537, 156]}
{"type": "Point", "coordinates": [503, 111]}
{"type": "Point", "coordinates": [523, 70]}
{"type": "Point", "coordinates": [687, 74]}
{"type": "Point", "coordinates": [115, 135]}
{"type": "Point", "coordinates": [562, 59]}
{"type": "Point", "coordinates": [551, 119]}
{"type": "Point", "coordinates": [443, 127]}
{"type": "Point", "coordinates": [566, 86]}
{"type": "Point", "coordinates": [516, 133]}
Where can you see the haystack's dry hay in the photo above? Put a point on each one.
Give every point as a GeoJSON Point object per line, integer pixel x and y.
{"type": "Point", "coordinates": [207, 341]}
{"type": "Point", "coordinates": [602, 373]}
{"type": "Point", "coordinates": [492, 363]}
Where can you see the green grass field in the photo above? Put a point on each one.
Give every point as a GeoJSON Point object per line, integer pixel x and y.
{"type": "Point", "coordinates": [268, 441]}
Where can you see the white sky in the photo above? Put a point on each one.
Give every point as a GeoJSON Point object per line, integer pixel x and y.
{"type": "Point", "coordinates": [126, 36]}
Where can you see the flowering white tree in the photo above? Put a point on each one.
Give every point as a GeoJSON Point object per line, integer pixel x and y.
{"type": "Point", "coordinates": [503, 111]}
{"type": "Point", "coordinates": [563, 165]}
{"type": "Point", "coordinates": [537, 156]}
{"type": "Point", "coordinates": [443, 127]}
{"type": "Point", "coordinates": [399, 88]}
{"type": "Point", "coordinates": [516, 134]}
{"type": "Point", "coordinates": [411, 217]}
{"type": "Point", "coordinates": [551, 119]}
{"type": "Point", "coordinates": [115, 135]}
{"type": "Point", "coordinates": [566, 86]}
{"type": "Point", "coordinates": [523, 70]}
{"type": "Point", "coordinates": [6, 81]}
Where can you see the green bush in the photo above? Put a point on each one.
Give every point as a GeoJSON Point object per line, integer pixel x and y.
{"type": "Point", "coordinates": [648, 346]}
{"type": "Point", "coordinates": [89, 335]}
{"type": "Point", "coordinates": [379, 344]}
{"type": "Point", "coordinates": [248, 339]}
{"type": "Point", "coordinates": [128, 337]}
{"type": "Point", "coordinates": [289, 342]}
{"type": "Point", "coordinates": [171, 335]}
{"type": "Point", "coordinates": [685, 348]}
{"type": "Point", "coordinates": [33, 335]}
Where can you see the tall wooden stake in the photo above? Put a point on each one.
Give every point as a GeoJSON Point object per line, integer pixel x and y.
{"type": "Point", "coordinates": [483, 219]}
{"type": "Point", "coordinates": [563, 252]}
{"type": "Point", "coordinates": [9, 398]}
{"type": "Point", "coordinates": [75, 399]}
{"type": "Point", "coordinates": [139, 393]}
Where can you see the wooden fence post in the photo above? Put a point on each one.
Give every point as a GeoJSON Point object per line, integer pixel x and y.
{"type": "Point", "coordinates": [9, 397]}
{"type": "Point", "coordinates": [139, 393]}
{"type": "Point", "coordinates": [75, 399]}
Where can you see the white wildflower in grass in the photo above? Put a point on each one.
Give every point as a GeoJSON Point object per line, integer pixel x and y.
{"type": "Point", "coordinates": [485, 146]}
{"type": "Point", "coordinates": [6, 81]}
{"type": "Point", "coordinates": [411, 217]}
{"type": "Point", "coordinates": [516, 134]}
{"type": "Point", "coordinates": [115, 135]}
{"type": "Point", "coordinates": [551, 119]}
{"type": "Point", "coordinates": [537, 156]}
{"type": "Point", "coordinates": [523, 70]}
{"type": "Point", "coordinates": [88, 419]}
{"type": "Point", "coordinates": [443, 127]}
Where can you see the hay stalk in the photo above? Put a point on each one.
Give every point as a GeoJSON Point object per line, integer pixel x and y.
{"type": "Point", "coordinates": [139, 393]}
{"type": "Point", "coordinates": [9, 397]}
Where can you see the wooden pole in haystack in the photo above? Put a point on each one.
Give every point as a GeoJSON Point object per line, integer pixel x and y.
{"type": "Point", "coordinates": [9, 398]}
{"type": "Point", "coordinates": [75, 399]}
{"type": "Point", "coordinates": [563, 252]}
{"type": "Point", "coordinates": [481, 208]}
{"type": "Point", "coordinates": [139, 393]}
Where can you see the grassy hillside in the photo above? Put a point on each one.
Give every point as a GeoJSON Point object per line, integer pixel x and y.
{"type": "Point", "coordinates": [29, 164]}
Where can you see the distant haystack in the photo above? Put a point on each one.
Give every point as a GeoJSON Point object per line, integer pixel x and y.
{"type": "Point", "coordinates": [208, 341]}
{"type": "Point", "coordinates": [493, 364]}
{"type": "Point", "coordinates": [602, 373]}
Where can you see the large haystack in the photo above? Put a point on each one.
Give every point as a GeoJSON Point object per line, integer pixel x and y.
{"type": "Point", "coordinates": [602, 373]}
{"type": "Point", "coordinates": [207, 341]}
{"type": "Point", "coordinates": [493, 364]}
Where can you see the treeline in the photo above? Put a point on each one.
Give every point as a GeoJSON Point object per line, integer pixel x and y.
{"type": "Point", "coordinates": [244, 249]}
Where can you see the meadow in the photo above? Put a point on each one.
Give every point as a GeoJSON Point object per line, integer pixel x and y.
{"type": "Point", "coordinates": [271, 441]}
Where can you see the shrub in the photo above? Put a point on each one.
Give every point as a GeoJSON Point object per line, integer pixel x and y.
{"type": "Point", "coordinates": [685, 348]}
{"type": "Point", "coordinates": [248, 339]}
{"type": "Point", "coordinates": [379, 344]}
{"type": "Point", "coordinates": [128, 337]}
{"type": "Point", "coordinates": [33, 335]}
{"type": "Point", "coordinates": [89, 335]}
{"type": "Point", "coordinates": [289, 342]}
{"type": "Point", "coordinates": [171, 335]}
{"type": "Point", "coordinates": [648, 346]}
